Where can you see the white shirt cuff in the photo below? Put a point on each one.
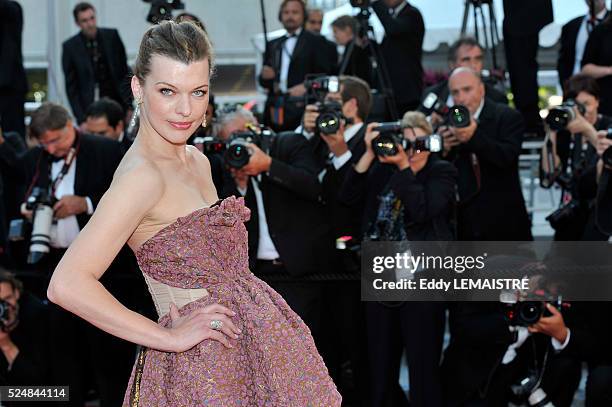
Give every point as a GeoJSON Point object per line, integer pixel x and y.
{"type": "Point", "coordinates": [558, 345]}
{"type": "Point", "coordinates": [343, 159]}
{"type": "Point", "coordinates": [90, 208]}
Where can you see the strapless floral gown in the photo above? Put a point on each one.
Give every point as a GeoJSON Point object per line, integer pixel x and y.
{"type": "Point", "coordinates": [274, 362]}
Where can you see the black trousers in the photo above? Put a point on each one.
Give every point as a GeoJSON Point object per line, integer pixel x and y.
{"type": "Point", "coordinates": [521, 59]}
{"type": "Point", "coordinates": [12, 111]}
{"type": "Point", "coordinates": [417, 327]}
{"type": "Point", "coordinates": [84, 357]}
{"type": "Point", "coordinates": [599, 386]}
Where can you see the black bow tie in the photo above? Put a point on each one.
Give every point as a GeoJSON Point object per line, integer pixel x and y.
{"type": "Point", "coordinates": [55, 159]}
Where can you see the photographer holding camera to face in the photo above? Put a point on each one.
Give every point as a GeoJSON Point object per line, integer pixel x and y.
{"type": "Point", "coordinates": [23, 335]}
{"type": "Point", "coordinates": [569, 158]}
{"type": "Point", "coordinates": [276, 175]}
{"type": "Point", "coordinates": [407, 194]}
{"type": "Point", "coordinates": [486, 153]}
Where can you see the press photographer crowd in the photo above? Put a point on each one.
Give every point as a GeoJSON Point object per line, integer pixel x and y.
{"type": "Point", "coordinates": [350, 147]}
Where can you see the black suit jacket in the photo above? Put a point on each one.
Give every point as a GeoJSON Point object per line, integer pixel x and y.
{"type": "Point", "coordinates": [441, 90]}
{"type": "Point", "coordinates": [344, 220]}
{"type": "Point", "coordinates": [495, 210]}
{"type": "Point", "coordinates": [312, 54]}
{"type": "Point", "coordinates": [567, 52]}
{"type": "Point", "coordinates": [295, 218]}
{"type": "Point", "coordinates": [428, 196]}
{"type": "Point", "coordinates": [12, 72]}
{"type": "Point", "coordinates": [402, 49]}
{"type": "Point", "coordinates": [603, 206]}
{"type": "Point", "coordinates": [479, 339]}
{"type": "Point", "coordinates": [79, 70]}
{"type": "Point", "coordinates": [526, 17]}
{"type": "Point", "coordinates": [96, 162]}
{"type": "Point", "coordinates": [357, 63]}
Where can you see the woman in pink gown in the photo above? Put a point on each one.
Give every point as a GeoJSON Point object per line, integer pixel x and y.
{"type": "Point", "coordinates": [224, 337]}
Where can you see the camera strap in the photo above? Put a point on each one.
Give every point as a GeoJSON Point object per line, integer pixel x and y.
{"type": "Point", "coordinates": [70, 157]}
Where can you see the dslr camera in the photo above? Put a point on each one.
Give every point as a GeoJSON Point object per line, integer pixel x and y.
{"type": "Point", "coordinates": [391, 135]}
{"type": "Point", "coordinates": [237, 153]}
{"type": "Point", "coordinates": [559, 116]}
{"type": "Point", "coordinates": [527, 312]}
{"type": "Point", "coordinates": [41, 203]}
{"type": "Point", "coordinates": [330, 112]}
{"type": "Point", "coordinates": [456, 116]}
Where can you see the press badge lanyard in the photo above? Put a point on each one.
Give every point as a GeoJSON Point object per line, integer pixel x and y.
{"type": "Point", "coordinates": [67, 163]}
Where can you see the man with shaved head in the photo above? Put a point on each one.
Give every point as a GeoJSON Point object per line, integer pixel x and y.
{"type": "Point", "coordinates": [491, 207]}
{"type": "Point", "coordinates": [486, 154]}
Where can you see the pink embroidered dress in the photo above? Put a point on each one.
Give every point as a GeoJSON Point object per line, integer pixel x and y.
{"type": "Point", "coordinates": [274, 362]}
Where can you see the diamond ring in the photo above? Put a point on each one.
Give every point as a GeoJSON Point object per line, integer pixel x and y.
{"type": "Point", "coordinates": [216, 324]}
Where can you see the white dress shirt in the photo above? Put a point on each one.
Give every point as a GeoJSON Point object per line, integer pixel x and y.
{"type": "Point", "coordinates": [286, 54]}
{"type": "Point", "coordinates": [64, 231]}
{"type": "Point", "coordinates": [582, 38]}
{"type": "Point", "coordinates": [265, 249]}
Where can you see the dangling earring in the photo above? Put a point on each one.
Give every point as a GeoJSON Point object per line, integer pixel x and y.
{"type": "Point", "coordinates": [204, 122]}
{"type": "Point", "coordinates": [135, 114]}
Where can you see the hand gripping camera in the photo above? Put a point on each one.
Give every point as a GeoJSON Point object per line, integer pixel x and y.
{"type": "Point", "coordinates": [391, 136]}
{"type": "Point", "coordinates": [559, 117]}
{"type": "Point", "coordinates": [41, 203]}
{"type": "Point", "coordinates": [237, 153]}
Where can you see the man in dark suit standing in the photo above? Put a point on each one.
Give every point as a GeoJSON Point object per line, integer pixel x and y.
{"type": "Point", "coordinates": [491, 204]}
{"type": "Point", "coordinates": [286, 63]}
{"type": "Point", "coordinates": [78, 169]}
{"type": "Point", "coordinates": [287, 231]}
{"type": "Point", "coordinates": [13, 81]}
{"type": "Point", "coordinates": [466, 52]}
{"type": "Point", "coordinates": [523, 20]}
{"type": "Point", "coordinates": [574, 36]}
{"type": "Point", "coordinates": [402, 49]}
{"type": "Point", "coordinates": [94, 63]}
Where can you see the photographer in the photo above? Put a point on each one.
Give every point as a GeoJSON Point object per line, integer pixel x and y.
{"type": "Point", "coordinates": [486, 155]}
{"type": "Point", "coordinates": [575, 160]}
{"type": "Point", "coordinates": [406, 196]}
{"type": "Point", "coordinates": [287, 232]}
{"type": "Point", "coordinates": [23, 335]}
{"type": "Point", "coordinates": [287, 61]}
{"type": "Point", "coordinates": [465, 52]}
{"type": "Point", "coordinates": [74, 170]}
{"type": "Point", "coordinates": [335, 152]}
{"type": "Point", "coordinates": [402, 49]}
{"type": "Point", "coordinates": [355, 59]}
{"type": "Point", "coordinates": [585, 338]}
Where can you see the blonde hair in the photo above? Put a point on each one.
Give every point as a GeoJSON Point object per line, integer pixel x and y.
{"type": "Point", "coordinates": [416, 120]}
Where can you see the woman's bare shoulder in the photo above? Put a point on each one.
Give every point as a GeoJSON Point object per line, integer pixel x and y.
{"type": "Point", "coordinates": [199, 158]}
{"type": "Point", "coordinates": [139, 178]}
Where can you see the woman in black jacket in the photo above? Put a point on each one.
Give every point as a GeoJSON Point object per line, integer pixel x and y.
{"type": "Point", "coordinates": [408, 196]}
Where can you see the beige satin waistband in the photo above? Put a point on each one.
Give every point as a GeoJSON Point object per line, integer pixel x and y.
{"type": "Point", "coordinates": [164, 294]}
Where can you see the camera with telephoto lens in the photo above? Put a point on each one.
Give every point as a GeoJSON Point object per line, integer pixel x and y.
{"type": "Point", "coordinates": [559, 116]}
{"type": "Point", "coordinates": [607, 155]}
{"type": "Point", "coordinates": [237, 153]}
{"type": "Point", "coordinates": [41, 203]}
{"type": "Point", "coordinates": [391, 135]}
